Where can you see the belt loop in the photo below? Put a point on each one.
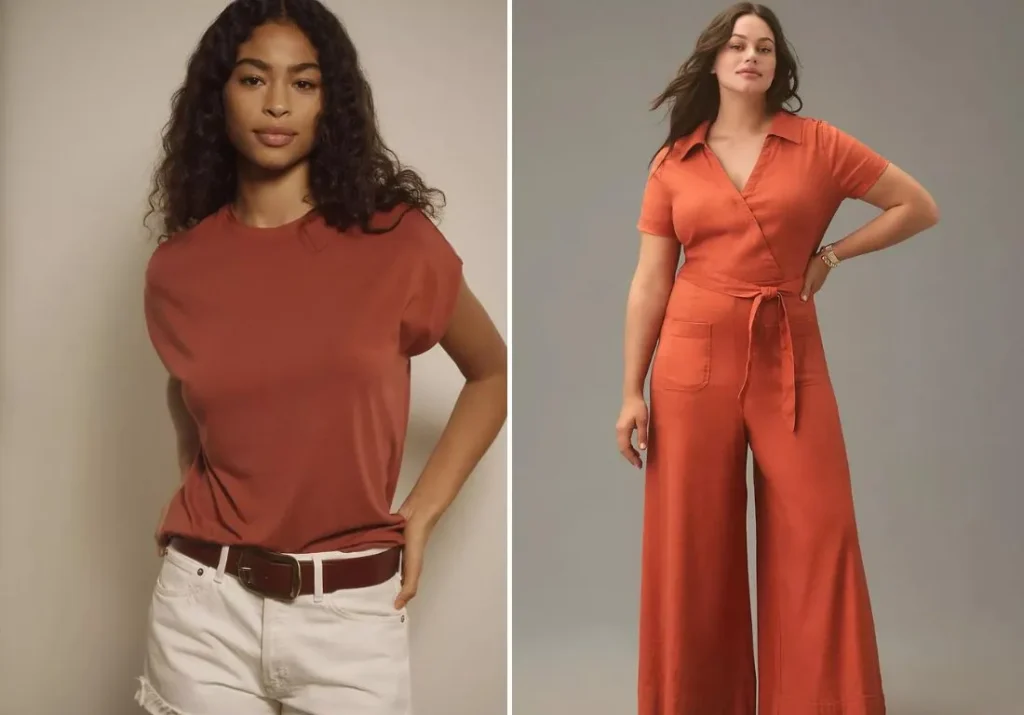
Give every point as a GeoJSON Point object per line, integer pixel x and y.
{"type": "Point", "coordinates": [223, 564]}
{"type": "Point", "coordinates": [318, 578]}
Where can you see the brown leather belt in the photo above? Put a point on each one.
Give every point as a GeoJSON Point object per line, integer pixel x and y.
{"type": "Point", "coordinates": [282, 577]}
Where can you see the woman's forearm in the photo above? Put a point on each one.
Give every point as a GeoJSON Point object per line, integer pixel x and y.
{"type": "Point", "coordinates": [185, 429]}
{"type": "Point", "coordinates": [475, 422]}
{"type": "Point", "coordinates": [892, 226]}
{"type": "Point", "coordinates": [645, 311]}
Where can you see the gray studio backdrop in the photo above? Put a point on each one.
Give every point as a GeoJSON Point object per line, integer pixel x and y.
{"type": "Point", "coordinates": [924, 340]}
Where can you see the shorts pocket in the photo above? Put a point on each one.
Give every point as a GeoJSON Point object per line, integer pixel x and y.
{"type": "Point", "coordinates": [371, 603]}
{"type": "Point", "coordinates": [180, 576]}
{"type": "Point", "coordinates": [683, 359]}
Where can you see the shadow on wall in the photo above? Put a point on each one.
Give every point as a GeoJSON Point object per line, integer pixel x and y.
{"type": "Point", "coordinates": [4, 226]}
{"type": "Point", "coordinates": [132, 468]}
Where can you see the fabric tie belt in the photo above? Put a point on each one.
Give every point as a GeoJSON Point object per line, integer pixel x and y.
{"type": "Point", "coordinates": [743, 289]}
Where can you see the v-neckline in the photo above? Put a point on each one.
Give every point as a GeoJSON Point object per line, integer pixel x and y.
{"type": "Point", "coordinates": [741, 190]}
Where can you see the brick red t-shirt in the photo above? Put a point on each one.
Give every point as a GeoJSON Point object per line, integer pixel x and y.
{"type": "Point", "coordinates": [293, 346]}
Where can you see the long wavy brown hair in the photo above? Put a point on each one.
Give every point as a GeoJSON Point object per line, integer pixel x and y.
{"type": "Point", "coordinates": [352, 173]}
{"type": "Point", "coordinates": [693, 95]}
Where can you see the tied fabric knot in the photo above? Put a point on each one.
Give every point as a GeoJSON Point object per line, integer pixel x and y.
{"type": "Point", "coordinates": [760, 293]}
{"type": "Point", "coordinates": [788, 377]}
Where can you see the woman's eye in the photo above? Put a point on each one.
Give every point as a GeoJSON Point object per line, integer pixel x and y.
{"type": "Point", "coordinates": [251, 81]}
{"type": "Point", "coordinates": [305, 84]}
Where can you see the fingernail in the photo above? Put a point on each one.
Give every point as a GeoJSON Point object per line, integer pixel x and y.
{"type": "Point", "coordinates": [643, 445]}
{"type": "Point", "coordinates": [803, 298]}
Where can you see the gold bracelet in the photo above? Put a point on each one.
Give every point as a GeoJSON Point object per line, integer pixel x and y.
{"type": "Point", "coordinates": [829, 256]}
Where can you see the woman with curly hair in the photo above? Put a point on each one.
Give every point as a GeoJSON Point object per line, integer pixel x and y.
{"type": "Point", "coordinates": [746, 189]}
{"type": "Point", "coordinates": [298, 272]}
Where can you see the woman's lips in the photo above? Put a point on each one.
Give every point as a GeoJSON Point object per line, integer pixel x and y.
{"type": "Point", "coordinates": [275, 139]}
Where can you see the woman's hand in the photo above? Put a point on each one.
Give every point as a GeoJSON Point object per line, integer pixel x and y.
{"type": "Point", "coordinates": [814, 277]}
{"type": "Point", "coordinates": [418, 528]}
{"type": "Point", "coordinates": [633, 416]}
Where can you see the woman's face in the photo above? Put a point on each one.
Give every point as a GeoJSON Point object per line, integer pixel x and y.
{"type": "Point", "coordinates": [746, 64]}
{"type": "Point", "coordinates": [273, 98]}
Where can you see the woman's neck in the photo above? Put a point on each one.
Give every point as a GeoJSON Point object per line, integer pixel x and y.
{"type": "Point", "coordinates": [741, 115]}
{"type": "Point", "coordinates": [266, 200]}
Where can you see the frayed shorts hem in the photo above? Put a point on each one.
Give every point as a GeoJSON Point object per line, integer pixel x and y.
{"type": "Point", "coordinates": [151, 701]}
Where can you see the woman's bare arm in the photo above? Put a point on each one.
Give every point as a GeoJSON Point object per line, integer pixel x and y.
{"type": "Point", "coordinates": [474, 344]}
{"type": "Point", "coordinates": [645, 307]}
{"type": "Point", "coordinates": [477, 348]}
{"type": "Point", "coordinates": [645, 310]}
{"type": "Point", "coordinates": [907, 209]}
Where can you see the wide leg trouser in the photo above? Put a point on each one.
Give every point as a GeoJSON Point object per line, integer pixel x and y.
{"type": "Point", "coordinates": [816, 645]}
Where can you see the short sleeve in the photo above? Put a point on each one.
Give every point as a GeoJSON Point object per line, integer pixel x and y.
{"type": "Point", "coordinates": [656, 206]}
{"type": "Point", "coordinates": [854, 166]}
{"type": "Point", "coordinates": [158, 311]}
{"type": "Point", "coordinates": [434, 287]}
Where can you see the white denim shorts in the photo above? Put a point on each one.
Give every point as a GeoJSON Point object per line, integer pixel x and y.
{"type": "Point", "coordinates": [215, 648]}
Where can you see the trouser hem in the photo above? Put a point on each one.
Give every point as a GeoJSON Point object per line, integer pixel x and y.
{"type": "Point", "coordinates": [863, 705]}
{"type": "Point", "coordinates": [858, 705]}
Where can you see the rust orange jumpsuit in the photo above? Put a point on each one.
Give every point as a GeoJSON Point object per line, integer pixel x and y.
{"type": "Point", "coordinates": [740, 364]}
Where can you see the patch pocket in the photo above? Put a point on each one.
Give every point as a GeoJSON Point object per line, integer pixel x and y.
{"type": "Point", "coordinates": [808, 351]}
{"type": "Point", "coordinates": [683, 359]}
{"type": "Point", "coordinates": [180, 576]}
{"type": "Point", "coordinates": [372, 603]}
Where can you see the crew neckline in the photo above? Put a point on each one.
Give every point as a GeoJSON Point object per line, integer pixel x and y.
{"type": "Point", "coordinates": [264, 231]}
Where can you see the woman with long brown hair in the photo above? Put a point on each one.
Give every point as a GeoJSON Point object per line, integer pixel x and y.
{"type": "Point", "coordinates": [745, 189]}
{"type": "Point", "coordinates": [299, 274]}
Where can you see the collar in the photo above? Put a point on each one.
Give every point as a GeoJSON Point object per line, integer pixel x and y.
{"type": "Point", "coordinates": [784, 125]}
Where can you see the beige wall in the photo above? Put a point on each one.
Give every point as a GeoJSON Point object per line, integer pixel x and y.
{"type": "Point", "coordinates": [86, 454]}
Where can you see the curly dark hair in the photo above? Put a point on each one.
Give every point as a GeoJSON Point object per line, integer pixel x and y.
{"type": "Point", "coordinates": [352, 173]}
{"type": "Point", "coordinates": [693, 95]}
